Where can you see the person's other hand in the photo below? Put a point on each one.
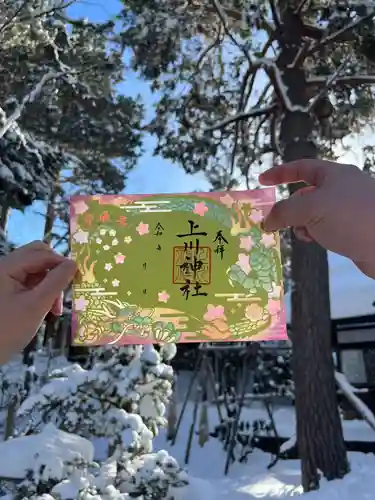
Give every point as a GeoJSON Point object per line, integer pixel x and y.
{"type": "Point", "coordinates": [32, 279]}
{"type": "Point", "coordinates": [336, 209]}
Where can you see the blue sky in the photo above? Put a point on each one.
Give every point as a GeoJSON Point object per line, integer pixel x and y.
{"type": "Point", "coordinates": [152, 175]}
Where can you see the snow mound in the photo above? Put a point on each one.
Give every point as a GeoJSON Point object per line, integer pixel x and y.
{"type": "Point", "coordinates": [51, 446]}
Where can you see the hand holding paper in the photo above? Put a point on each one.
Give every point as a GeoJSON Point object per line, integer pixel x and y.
{"type": "Point", "coordinates": [338, 212]}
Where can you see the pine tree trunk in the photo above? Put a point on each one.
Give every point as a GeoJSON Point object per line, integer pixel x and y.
{"type": "Point", "coordinates": [50, 329]}
{"type": "Point", "coordinates": [28, 360]}
{"type": "Point", "coordinates": [50, 320]}
{"type": "Point", "coordinates": [4, 214]}
{"type": "Point", "coordinates": [64, 335]}
{"type": "Point", "coordinates": [319, 431]}
{"type": "Point", "coordinates": [10, 419]}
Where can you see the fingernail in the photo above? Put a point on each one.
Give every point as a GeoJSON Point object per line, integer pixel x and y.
{"type": "Point", "coordinates": [60, 305]}
{"type": "Point", "coordinates": [263, 180]}
{"type": "Point", "coordinates": [302, 234]}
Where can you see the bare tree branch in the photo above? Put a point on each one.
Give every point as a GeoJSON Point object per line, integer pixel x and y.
{"type": "Point", "coordinates": [339, 35]}
{"type": "Point", "coordinates": [30, 97]}
{"type": "Point", "coordinates": [301, 5]}
{"type": "Point", "coordinates": [252, 113]}
{"type": "Point", "coordinates": [224, 19]}
{"type": "Point", "coordinates": [329, 83]}
{"type": "Point", "coordinates": [237, 129]}
{"type": "Point", "coordinates": [11, 19]}
{"type": "Point", "coordinates": [351, 81]}
{"type": "Point", "coordinates": [275, 15]}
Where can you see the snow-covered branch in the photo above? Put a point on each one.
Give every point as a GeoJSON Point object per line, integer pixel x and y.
{"type": "Point", "coordinates": [288, 445]}
{"type": "Point", "coordinates": [301, 6]}
{"type": "Point", "coordinates": [338, 35]}
{"type": "Point", "coordinates": [97, 401]}
{"type": "Point", "coordinates": [10, 121]}
{"type": "Point", "coordinates": [282, 91]}
{"type": "Point", "coordinates": [351, 81]}
{"type": "Point", "coordinates": [252, 113]}
{"type": "Point", "coordinates": [50, 8]}
{"type": "Point", "coordinates": [225, 22]}
{"type": "Point", "coordinates": [275, 14]}
{"type": "Point", "coordinates": [349, 392]}
{"type": "Point", "coordinates": [329, 83]}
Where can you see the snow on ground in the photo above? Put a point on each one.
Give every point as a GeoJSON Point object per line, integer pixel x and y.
{"type": "Point", "coordinates": [252, 480]}
{"type": "Point", "coordinates": [248, 481]}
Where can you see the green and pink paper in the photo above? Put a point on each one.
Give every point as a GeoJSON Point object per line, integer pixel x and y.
{"type": "Point", "coordinates": [176, 268]}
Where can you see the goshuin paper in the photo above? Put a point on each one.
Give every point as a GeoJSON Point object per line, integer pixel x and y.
{"type": "Point", "coordinates": [176, 268]}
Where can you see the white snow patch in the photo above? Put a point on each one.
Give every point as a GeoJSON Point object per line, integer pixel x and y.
{"type": "Point", "coordinates": [197, 489]}
{"type": "Point", "coordinates": [351, 292]}
{"type": "Point", "coordinates": [51, 446]}
{"type": "Point", "coordinates": [288, 444]}
{"type": "Point", "coordinates": [348, 391]}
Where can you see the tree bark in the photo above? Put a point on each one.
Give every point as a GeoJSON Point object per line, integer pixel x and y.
{"type": "Point", "coordinates": [319, 432]}
{"type": "Point", "coordinates": [4, 214]}
{"type": "Point", "coordinates": [10, 419]}
{"type": "Point", "coordinates": [28, 360]}
{"type": "Point", "coordinates": [51, 322]}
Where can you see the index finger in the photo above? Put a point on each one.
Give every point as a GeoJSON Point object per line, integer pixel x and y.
{"type": "Point", "coordinates": [24, 264]}
{"type": "Point", "coordinates": [312, 172]}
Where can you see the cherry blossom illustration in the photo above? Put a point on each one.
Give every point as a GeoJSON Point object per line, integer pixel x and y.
{"type": "Point", "coordinates": [246, 243]}
{"type": "Point", "coordinates": [214, 312]}
{"type": "Point", "coordinates": [115, 283]}
{"type": "Point", "coordinates": [80, 207]}
{"type": "Point", "coordinates": [268, 240]}
{"type": "Point", "coordinates": [142, 229]}
{"type": "Point", "coordinates": [108, 266]}
{"type": "Point", "coordinates": [254, 312]}
{"type": "Point", "coordinates": [81, 237]}
{"type": "Point", "coordinates": [227, 200]}
{"type": "Point", "coordinates": [244, 262]}
{"type": "Point", "coordinates": [200, 208]}
{"type": "Point", "coordinates": [120, 258]}
{"type": "Point", "coordinates": [256, 216]}
{"type": "Point", "coordinates": [128, 240]}
{"type": "Point", "coordinates": [80, 304]}
{"type": "Point", "coordinates": [115, 242]}
{"type": "Point", "coordinates": [163, 296]}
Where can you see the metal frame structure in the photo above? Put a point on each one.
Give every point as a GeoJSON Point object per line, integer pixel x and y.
{"type": "Point", "coordinates": [204, 379]}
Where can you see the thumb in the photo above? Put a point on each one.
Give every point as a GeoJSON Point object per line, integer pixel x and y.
{"type": "Point", "coordinates": [295, 211]}
{"type": "Point", "coordinates": [55, 282]}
